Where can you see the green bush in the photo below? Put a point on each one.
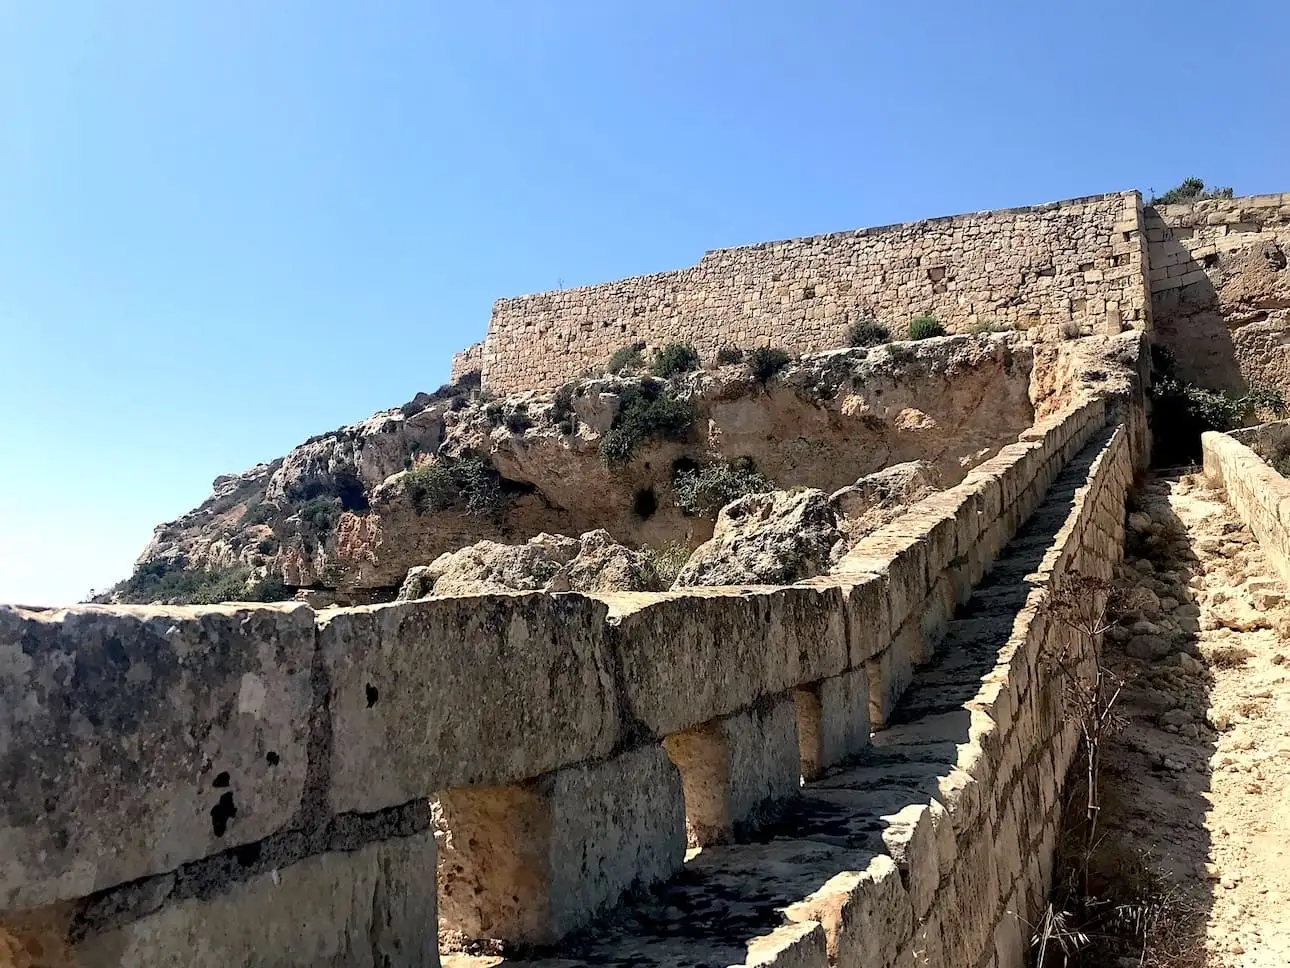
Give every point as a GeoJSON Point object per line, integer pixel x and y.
{"type": "Point", "coordinates": [1191, 190]}
{"type": "Point", "coordinates": [664, 563]}
{"type": "Point", "coordinates": [1182, 411]}
{"type": "Point", "coordinates": [867, 332]}
{"type": "Point", "coordinates": [729, 354]}
{"type": "Point", "coordinates": [267, 546]}
{"type": "Point", "coordinates": [627, 359]}
{"type": "Point", "coordinates": [674, 358]}
{"type": "Point", "coordinates": [494, 413]}
{"type": "Point", "coordinates": [646, 411]}
{"type": "Point", "coordinates": [171, 580]}
{"type": "Point", "coordinates": [469, 483]}
{"type": "Point", "coordinates": [766, 361]}
{"type": "Point", "coordinates": [321, 513]}
{"type": "Point", "coordinates": [706, 490]}
{"type": "Point", "coordinates": [925, 327]}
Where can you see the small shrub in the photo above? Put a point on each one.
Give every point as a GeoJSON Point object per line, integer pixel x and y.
{"type": "Point", "coordinates": [321, 513]}
{"type": "Point", "coordinates": [867, 332]}
{"type": "Point", "coordinates": [258, 513]}
{"type": "Point", "coordinates": [1191, 190]}
{"type": "Point", "coordinates": [1281, 465]}
{"type": "Point", "coordinates": [494, 413]}
{"type": "Point", "coordinates": [646, 411]}
{"type": "Point", "coordinates": [729, 354]}
{"type": "Point", "coordinates": [664, 563]}
{"type": "Point", "coordinates": [674, 358]}
{"type": "Point", "coordinates": [925, 327]}
{"type": "Point", "coordinates": [267, 546]}
{"type": "Point", "coordinates": [470, 483]}
{"type": "Point", "coordinates": [706, 490]}
{"type": "Point", "coordinates": [766, 361]}
{"type": "Point", "coordinates": [1071, 330]}
{"type": "Point", "coordinates": [627, 359]}
{"type": "Point", "coordinates": [431, 486]}
{"type": "Point", "coordinates": [1229, 657]}
{"type": "Point", "coordinates": [270, 588]}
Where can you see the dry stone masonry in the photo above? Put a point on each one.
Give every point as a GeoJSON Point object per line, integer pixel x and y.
{"type": "Point", "coordinates": [1080, 263]}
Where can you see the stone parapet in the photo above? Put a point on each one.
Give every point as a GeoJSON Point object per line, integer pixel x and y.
{"type": "Point", "coordinates": [566, 742]}
{"type": "Point", "coordinates": [1257, 492]}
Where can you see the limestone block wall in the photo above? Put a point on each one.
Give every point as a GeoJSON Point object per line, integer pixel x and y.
{"type": "Point", "coordinates": [1081, 261]}
{"type": "Point", "coordinates": [1257, 493]}
{"type": "Point", "coordinates": [187, 782]}
{"type": "Point", "coordinates": [468, 360]}
{"type": "Point", "coordinates": [1220, 290]}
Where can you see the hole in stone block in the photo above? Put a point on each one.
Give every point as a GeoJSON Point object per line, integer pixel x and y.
{"type": "Point", "coordinates": [645, 503]}
{"type": "Point", "coordinates": [222, 779]}
{"type": "Point", "coordinates": [272, 758]}
{"type": "Point", "coordinates": [703, 760]}
{"type": "Point", "coordinates": [492, 867]}
{"type": "Point", "coordinates": [372, 695]}
{"type": "Point", "coordinates": [223, 811]}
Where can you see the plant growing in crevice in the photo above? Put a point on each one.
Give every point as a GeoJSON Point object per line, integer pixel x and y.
{"type": "Point", "coordinates": [646, 411]}
{"type": "Point", "coordinates": [468, 483]}
{"type": "Point", "coordinates": [704, 491]}
{"type": "Point", "coordinates": [664, 563]}
{"type": "Point", "coordinates": [561, 413]}
{"type": "Point", "coordinates": [321, 513]}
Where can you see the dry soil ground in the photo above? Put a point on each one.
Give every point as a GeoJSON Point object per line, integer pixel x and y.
{"type": "Point", "coordinates": [1197, 779]}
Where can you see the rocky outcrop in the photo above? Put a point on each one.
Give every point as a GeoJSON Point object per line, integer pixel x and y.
{"type": "Point", "coordinates": [348, 511]}
{"type": "Point", "coordinates": [767, 539]}
{"type": "Point", "coordinates": [877, 499]}
{"type": "Point", "coordinates": [547, 563]}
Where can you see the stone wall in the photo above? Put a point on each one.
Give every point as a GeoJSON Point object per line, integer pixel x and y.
{"type": "Point", "coordinates": [1079, 262]}
{"type": "Point", "coordinates": [1257, 493]}
{"type": "Point", "coordinates": [469, 360]}
{"type": "Point", "coordinates": [1220, 290]}
{"type": "Point", "coordinates": [241, 785]}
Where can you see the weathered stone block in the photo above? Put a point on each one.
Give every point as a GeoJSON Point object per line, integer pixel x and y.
{"type": "Point", "coordinates": [134, 739]}
{"type": "Point", "coordinates": [900, 558]}
{"type": "Point", "coordinates": [832, 721]}
{"type": "Point", "coordinates": [368, 908]}
{"type": "Point", "coordinates": [738, 771]}
{"type": "Point", "coordinates": [689, 657]}
{"type": "Point", "coordinates": [867, 915]}
{"type": "Point", "coordinates": [530, 863]}
{"type": "Point", "coordinates": [488, 689]}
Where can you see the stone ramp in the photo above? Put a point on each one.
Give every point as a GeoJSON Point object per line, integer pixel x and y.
{"type": "Point", "coordinates": [849, 873]}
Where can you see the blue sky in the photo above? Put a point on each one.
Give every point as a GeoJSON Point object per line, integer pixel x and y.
{"type": "Point", "coordinates": [227, 226]}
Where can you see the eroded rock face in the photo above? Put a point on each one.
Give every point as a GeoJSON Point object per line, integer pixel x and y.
{"type": "Point", "coordinates": [339, 512]}
{"type": "Point", "coordinates": [547, 563]}
{"type": "Point", "coordinates": [877, 499]}
{"type": "Point", "coordinates": [775, 538]}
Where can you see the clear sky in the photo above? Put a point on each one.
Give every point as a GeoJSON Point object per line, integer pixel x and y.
{"type": "Point", "coordinates": [227, 226]}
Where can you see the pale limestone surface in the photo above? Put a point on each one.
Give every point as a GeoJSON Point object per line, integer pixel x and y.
{"type": "Point", "coordinates": [475, 690]}
{"type": "Point", "coordinates": [135, 739]}
{"type": "Point", "coordinates": [369, 908]}
{"type": "Point", "coordinates": [1080, 262]}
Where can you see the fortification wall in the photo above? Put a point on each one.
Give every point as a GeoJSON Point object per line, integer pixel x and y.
{"type": "Point", "coordinates": [235, 784]}
{"type": "Point", "coordinates": [1080, 261]}
{"type": "Point", "coordinates": [469, 360]}
{"type": "Point", "coordinates": [1257, 493]}
{"type": "Point", "coordinates": [1220, 290]}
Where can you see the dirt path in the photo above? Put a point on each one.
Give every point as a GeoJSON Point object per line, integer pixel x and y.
{"type": "Point", "coordinates": [1198, 780]}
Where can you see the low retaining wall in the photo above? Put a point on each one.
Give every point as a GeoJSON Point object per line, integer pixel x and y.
{"type": "Point", "coordinates": [240, 784]}
{"type": "Point", "coordinates": [1258, 494]}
